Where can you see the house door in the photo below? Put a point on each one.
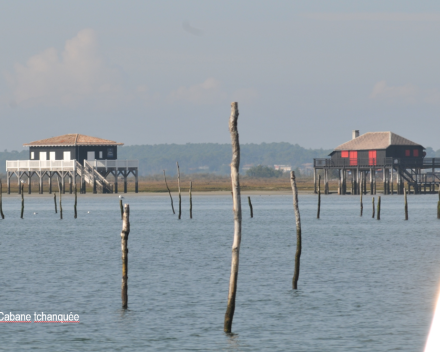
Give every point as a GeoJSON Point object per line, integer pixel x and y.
{"type": "Point", "coordinates": [372, 157]}
{"type": "Point", "coordinates": [353, 157]}
{"type": "Point", "coordinates": [52, 156]}
{"type": "Point", "coordinates": [66, 155]}
{"type": "Point", "coordinates": [91, 156]}
{"type": "Point", "coordinates": [43, 156]}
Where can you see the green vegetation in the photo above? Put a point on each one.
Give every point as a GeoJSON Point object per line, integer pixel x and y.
{"type": "Point", "coordinates": [262, 171]}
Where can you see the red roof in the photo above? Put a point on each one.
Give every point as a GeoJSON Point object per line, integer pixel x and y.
{"type": "Point", "coordinates": [71, 139]}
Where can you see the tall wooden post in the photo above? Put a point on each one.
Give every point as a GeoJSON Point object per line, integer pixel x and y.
{"type": "Point", "coordinates": [19, 182]}
{"type": "Point", "coordinates": [63, 183]}
{"type": "Point", "coordinates": [121, 207]}
{"type": "Point", "coordinates": [298, 231]}
{"type": "Point", "coordinates": [125, 181]}
{"type": "Point", "coordinates": [60, 191]}
{"type": "Point", "coordinates": [169, 192]}
{"type": "Point", "coordinates": [70, 184]}
{"type": "Point", "coordinates": [116, 180]}
{"type": "Point", "coordinates": [236, 198]}
{"type": "Point", "coordinates": [373, 209]}
{"type": "Point", "coordinates": [49, 174]}
{"type": "Point", "coordinates": [190, 200]}
{"type": "Point", "coordinates": [75, 204]}
{"type": "Point", "coordinates": [178, 185]}
{"type": "Point", "coordinates": [362, 205]}
{"type": "Point", "coordinates": [392, 181]}
{"type": "Point", "coordinates": [378, 208]}
{"type": "Point", "coordinates": [55, 201]}
{"type": "Point", "coordinates": [319, 197]}
{"type": "Point", "coordinates": [124, 239]}
{"type": "Point", "coordinates": [406, 204]}
{"type": "Point", "coordinates": [41, 176]}
{"type": "Point", "coordinates": [136, 181]}
{"type": "Point", "coordinates": [8, 181]}
{"type": "Point", "coordinates": [22, 199]}
{"type": "Point", "coordinates": [1, 200]}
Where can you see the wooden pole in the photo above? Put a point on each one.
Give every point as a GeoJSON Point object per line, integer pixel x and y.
{"type": "Point", "coordinates": [362, 205]}
{"type": "Point", "coordinates": [319, 197]}
{"type": "Point", "coordinates": [178, 185]}
{"type": "Point", "coordinates": [60, 189]}
{"type": "Point", "coordinates": [373, 209]}
{"type": "Point", "coordinates": [121, 207]}
{"type": "Point", "coordinates": [75, 204]}
{"type": "Point", "coordinates": [438, 204]}
{"type": "Point", "coordinates": [406, 204]}
{"type": "Point", "coordinates": [378, 208]}
{"type": "Point", "coordinates": [236, 197]}
{"type": "Point", "coordinates": [22, 198]}
{"type": "Point", "coordinates": [298, 230]}
{"type": "Point", "coordinates": [55, 201]}
{"type": "Point", "coordinates": [190, 200]}
{"type": "Point", "coordinates": [124, 238]}
{"type": "Point", "coordinates": [1, 200]}
{"type": "Point", "coordinates": [250, 207]}
{"type": "Point", "coordinates": [169, 192]}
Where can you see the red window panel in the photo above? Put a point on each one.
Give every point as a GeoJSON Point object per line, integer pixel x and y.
{"type": "Point", "coordinates": [344, 154]}
{"type": "Point", "coordinates": [407, 152]}
{"type": "Point", "coordinates": [415, 152]}
{"type": "Point", "coordinates": [353, 157]}
{"type": "Point", "coordinates": [372, 156]}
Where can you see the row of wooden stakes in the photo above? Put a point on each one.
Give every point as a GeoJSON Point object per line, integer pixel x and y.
{"type": "Point", "coordinates": [75, 213]}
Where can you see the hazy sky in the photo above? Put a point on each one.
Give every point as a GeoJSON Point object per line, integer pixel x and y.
{"type": "Point", "coordinates": [149, 72]}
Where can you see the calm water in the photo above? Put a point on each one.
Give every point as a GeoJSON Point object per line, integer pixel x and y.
{"type": "Point", "coordinates": [365, 285]}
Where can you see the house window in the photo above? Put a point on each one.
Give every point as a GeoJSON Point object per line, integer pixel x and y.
{"type": "Point", "coordinates": [100, 155]}
{"type": "Point", "coordinates": [415, 152]}
{"type": "Point", "coordinates": [372, 157]}
{"type": "Point", "coordinates": [66, 156]}
{"type": "Point", "coordinates": [407, 152]}
{"type": "Point", "coordinates": [353, 157]}
{"type": "Point", "coordinates": [344, 154]}
{"type": "Point", "coordinates": [32, 155]}
{"type": "Point", "coordinates": [52, 156]}
{"type": "Point", "coordinates": [43, 156]}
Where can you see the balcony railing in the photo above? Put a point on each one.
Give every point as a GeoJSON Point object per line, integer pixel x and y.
{"type": "Point", "coordinates": [424, 163]}
{"type": "Point", "coordinates": [40, 165]}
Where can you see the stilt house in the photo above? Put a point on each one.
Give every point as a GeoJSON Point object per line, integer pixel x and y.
{"type": "Point", "coordinates": [364, 155]}
{"type": "Point", "coordinates": [70, 156]}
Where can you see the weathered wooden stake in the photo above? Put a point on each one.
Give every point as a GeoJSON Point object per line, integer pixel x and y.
{"type": "Point", "coordinates": [250, 207]}
{"type": "Point", "coordinates": [298, 230]}
{"type": "Point", "coordinates": [22, 198]}
{"type": "Point", "coordinates": [60, 190]}
{"type": "Point", "coordinates": [190, 200]}
{"type": "Point", "coordinates": [362, 205]}
{"type": "Point", "coordinates": [121, 207]}
{"type": "Point", "coordinates": [373, 209]}
{"type": "Point", "coordinates": [438, 204]}
{"type": "Point", "coordinates": [378, 208]}
{"type": "Point", "coordinates": [236, 197]}
{"type": "Point", "coordinates": [124, 239]}
{"type": "Point", "coordinates": [1, 200]}
{"type": "Point", "coordinates": [169, 192]}
{"type": "Point", "coordinates": [319, 197]}
{"type": "Point", "coordinates": [406, 203]}
{"type": "Point", "coordinates": [75, 204]}
{"type": "Point", "coordinates": [55, 201]}
{"type": "Point", "coordinates": [178, 185]}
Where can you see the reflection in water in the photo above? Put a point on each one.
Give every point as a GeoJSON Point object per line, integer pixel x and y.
{"type": "Point", "coordinates": [433, 343]}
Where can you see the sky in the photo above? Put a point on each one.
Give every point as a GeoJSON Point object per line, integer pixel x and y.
{"type": "Point", "coordinates": [151, 72]}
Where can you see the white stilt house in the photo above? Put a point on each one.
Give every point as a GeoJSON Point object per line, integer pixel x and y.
{"type": "Point", "coordinates": [74, 156]}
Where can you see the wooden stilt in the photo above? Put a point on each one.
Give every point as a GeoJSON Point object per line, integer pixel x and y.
{"type": "Point", "coordinates": [124, 239]}
{"type": "Point", "coordinates": [406, 204]}
{"type": "Point", "coordinates": [136, 180]}
{"type": "Point", "coordinates": [29, 182]}
{"type": "Point", "coordinates": [41, 176]}
{"type": "Point", "coordinates": [116, 180]}
{"type": "Point", "coordinates": [8, 182]}
{"type": "Point", "coordinates": [178, 186]}
{"type": "Point", "coordinates": [392, 181]}
{"type": "Point", "coordinates": [22, 199]}
{"type": "Point", "coordinates": [125, 181]}
{"type": "Point", "coordinates": [314, 180]}
{"type": "Point", "coordinates": [235, 164]}
{"type": "Point", "coordinates": [49, 174]}
{"type": "Point", "coordinates": [70, 183]}
{"type": "Point", "coordinates": [298, 231]}
{"type": "Point", "coordinates": [1, 200]}
{"type": "Point", "coordinates": [19, 182]}
{"type": "Point", "coordinates": [319, 197]}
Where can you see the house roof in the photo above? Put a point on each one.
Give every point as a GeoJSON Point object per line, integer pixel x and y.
{"type": "Point", "coordinates": [71, 140]}
{"type": "Point", "coordinates": [376, 140]}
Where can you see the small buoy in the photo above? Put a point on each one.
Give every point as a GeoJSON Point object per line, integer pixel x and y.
{"type": "Point", "coordinates": [121, 197]}
{"type": "Point", "coordinates": [35, 213]}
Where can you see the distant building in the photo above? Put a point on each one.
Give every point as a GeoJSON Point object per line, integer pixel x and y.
{"type": "Point", "coordinates": [284, 168]}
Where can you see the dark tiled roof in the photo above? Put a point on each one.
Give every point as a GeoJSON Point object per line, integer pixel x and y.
{"type": "Point", "coordinates": [71, 139]}
{"type": "Point", "coordinates": [376, 140]}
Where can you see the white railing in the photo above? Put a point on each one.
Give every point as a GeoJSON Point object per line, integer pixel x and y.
{"type": "Point", "coordinates": [40, 165]}
{"type": "Point", "coordinates": [113, 164]}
